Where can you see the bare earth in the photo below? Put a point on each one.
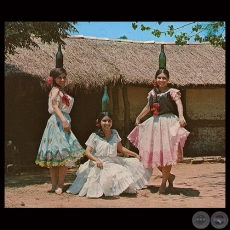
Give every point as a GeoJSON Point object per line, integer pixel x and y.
{"type": "Point", "coordinates": [195, 186]}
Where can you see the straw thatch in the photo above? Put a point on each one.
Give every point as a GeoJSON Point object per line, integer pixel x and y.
{"type": "Point", "coordinates": [94, 62]}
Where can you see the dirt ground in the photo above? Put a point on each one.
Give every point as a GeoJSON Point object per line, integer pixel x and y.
{"type": "Point", "coordinates": [195, 186]}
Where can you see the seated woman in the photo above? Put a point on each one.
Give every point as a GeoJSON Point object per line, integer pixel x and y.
{"type": "Point", "coordinates": [106, 173]}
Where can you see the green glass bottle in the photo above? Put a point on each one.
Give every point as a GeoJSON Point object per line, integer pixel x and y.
{"type": "Point", "coordinates": [162, 58]}
{"type": "Point", "coordinates": [59, 58]}
{"type": "Point", "coordinates": [105, 101]}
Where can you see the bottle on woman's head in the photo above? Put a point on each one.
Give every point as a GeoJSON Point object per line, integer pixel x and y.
{"type": "Point", "coordinates": [162, 58]}
{"type": "Point", "coordinates": [59, 58]}
{"type": "Point", "coordinates": [105, 101]}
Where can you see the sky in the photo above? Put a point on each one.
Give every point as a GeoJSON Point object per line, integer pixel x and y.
{"type": "Point", "coordinates": [115, 30]}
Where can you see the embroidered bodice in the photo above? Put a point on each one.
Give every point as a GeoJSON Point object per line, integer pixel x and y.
{"type": "Point", "coordinates": [104, 148]}
{"type": "Point", "coordinates": [65, 101]}
{"type": "Point", "coordinates": [166, 100]}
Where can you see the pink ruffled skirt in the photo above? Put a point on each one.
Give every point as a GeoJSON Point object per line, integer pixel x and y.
{"type": "Point", "coordinates": [158, 139]}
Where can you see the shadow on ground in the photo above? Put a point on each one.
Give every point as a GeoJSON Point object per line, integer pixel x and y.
{"type": "Point", "coordinates": [34, 177]}
{"type": "Point", "coordinates": [176, 191]}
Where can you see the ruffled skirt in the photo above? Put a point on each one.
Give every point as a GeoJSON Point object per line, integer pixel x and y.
{"type": "Point", "coordinates": [158, 139]}
{"type": "Point", "coordinates": [119, 174]}
{"type": "Point", "coordinates": [58, 148]}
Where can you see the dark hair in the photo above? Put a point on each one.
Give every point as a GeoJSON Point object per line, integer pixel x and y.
{"type": "Point", "coordinates": [164, 71]}
{"type": "Point", "coordinates": [100, 116]}
{"type": "Point", "coordinates": [153, 99]}
{"type": "Point", "coordinates": [57, 72]}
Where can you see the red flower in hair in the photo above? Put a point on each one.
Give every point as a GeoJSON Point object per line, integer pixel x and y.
{"type": "Point", "coordinates": [50, 80]}
{"type": "Point", "coordinates": [154, 109]}
{"type": "Point", "coordinates": [97, 124]}
{"type": "Point", "coordinates": [155, 83]}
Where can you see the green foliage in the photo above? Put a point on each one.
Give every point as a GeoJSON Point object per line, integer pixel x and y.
{"type": "Point", "coordinates": [22, 34]}
{"type": "Point", "coordinates": [123, 37]}
{"type": "Point", "coordinates": [214, 32]}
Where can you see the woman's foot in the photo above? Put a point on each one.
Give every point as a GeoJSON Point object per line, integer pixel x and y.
{"type": "Point", "coordinates": [180, 159]}
{"type": "Point", "coordinates": [162, 189]}
{"type": "Point", "coordinates": [59, 191]}
{"type": "Point", "coordinates": [170, 180]}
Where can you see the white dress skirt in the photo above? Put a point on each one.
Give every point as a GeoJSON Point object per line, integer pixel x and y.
{"type": "Point", "coordinates": [119, 174]}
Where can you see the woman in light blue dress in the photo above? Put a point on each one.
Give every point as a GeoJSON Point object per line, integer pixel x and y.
{"type": "Point", "coordinates": [59, 148]}
{"type": "Point", "coordinates": [106, 173]}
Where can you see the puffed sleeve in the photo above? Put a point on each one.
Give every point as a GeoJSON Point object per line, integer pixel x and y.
{"type": "Point", "coordinates": [91, 140]}
{"type": "Point", "coordinates": [116, 136]}
{"type": "Point", "coordinates": [150, 93]}
{"type": "Point", "coordinates": [54, 94]}
{"type": "Point", "coordinates": [175, 94]}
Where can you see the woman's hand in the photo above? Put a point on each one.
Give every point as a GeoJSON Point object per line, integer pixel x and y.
{"type": "Point", "coordinates": [66, 126]}
{"type": "Point", "coordinates": [99, 164]}
{"type": "Point", "coordinates": [138, 157]}
{"type": "Point", "coordinates": [182, 121]}
{"type": "Point", "coordinates": [144, 111]}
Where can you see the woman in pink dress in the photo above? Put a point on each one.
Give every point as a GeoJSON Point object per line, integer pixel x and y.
{"type": "Point", "coordinates": [161, 138]}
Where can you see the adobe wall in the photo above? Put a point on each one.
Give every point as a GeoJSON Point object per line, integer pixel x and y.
{"type": "Point", "coordinates": [204, 110]}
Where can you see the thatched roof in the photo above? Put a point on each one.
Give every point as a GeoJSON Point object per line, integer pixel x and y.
{"type": "Point", "coordinates": [93, 62]}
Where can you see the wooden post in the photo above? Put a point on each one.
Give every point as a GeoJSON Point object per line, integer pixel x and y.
{"type": "Point", "coordinates": [126, 115]}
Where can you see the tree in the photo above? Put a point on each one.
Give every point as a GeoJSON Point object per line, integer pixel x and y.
{"type": "Point", "coordinates": [214, 32]}
{"type": "Point", "coordinates": [22, 34]}
{"type": "Point", "coordinates": [123, 37]}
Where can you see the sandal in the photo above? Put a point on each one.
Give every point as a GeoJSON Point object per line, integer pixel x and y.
{"type": "Point", "coordinates": [51, 191]}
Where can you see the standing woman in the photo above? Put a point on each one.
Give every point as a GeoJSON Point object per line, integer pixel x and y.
{"type": "Point", "coordinates": [59, 148]}
{"type": "Point", "coordinates": [161, 138]}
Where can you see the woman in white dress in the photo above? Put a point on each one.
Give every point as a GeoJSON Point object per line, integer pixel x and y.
{"type": "Point", "coordinates": [106, 173]}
